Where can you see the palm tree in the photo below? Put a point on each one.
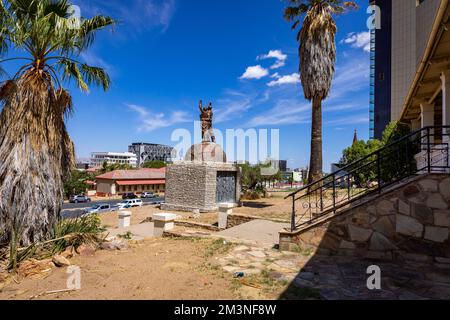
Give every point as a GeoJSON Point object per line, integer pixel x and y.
{"type": "Point", "coordinates": [36, 152]}
{"type": "Point", "coordinates": [317, 54]}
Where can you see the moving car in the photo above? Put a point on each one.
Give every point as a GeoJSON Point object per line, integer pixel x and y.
{"type": "Point", "coordinates": [101, 208]}
{"type": "Point", "coordinates": [148, 195]}
{"type": "Point", "coordinates": [131, 203]}
{"type": "Point", "coordinates": [79, 199]}
{"type": "Point", "coordinates": [129, 196]}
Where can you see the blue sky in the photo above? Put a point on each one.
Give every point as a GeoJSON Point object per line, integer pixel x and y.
{"type": "Point", "coordinates": [166, 55]}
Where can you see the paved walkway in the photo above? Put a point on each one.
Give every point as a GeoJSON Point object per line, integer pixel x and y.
{"type": "Point", "coordinates": [259, 231]}
{"type": "Point", "coordinates": [138, 231]}
{"type": "Point", "coordinates": [339, 278]}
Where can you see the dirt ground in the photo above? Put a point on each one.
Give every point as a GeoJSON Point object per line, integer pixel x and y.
{"type": "Point", "coordinates": [274, 207]}
{"type": "Point", "coordinates": [153, 269]}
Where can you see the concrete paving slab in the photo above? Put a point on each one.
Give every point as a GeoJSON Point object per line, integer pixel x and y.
{"type": "Point", "coordinates": [259, 231]}
{"type": "Point", "coordinates": [139, 231]}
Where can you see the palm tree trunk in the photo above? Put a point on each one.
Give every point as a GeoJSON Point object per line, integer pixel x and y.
{"type": "Point", "coordinates": [316, 162]}
{"type": "Point", "coordinates": [36, 153]}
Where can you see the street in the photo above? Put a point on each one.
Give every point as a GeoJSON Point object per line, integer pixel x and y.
{"type": "Point", "coordinates": [73, 210]}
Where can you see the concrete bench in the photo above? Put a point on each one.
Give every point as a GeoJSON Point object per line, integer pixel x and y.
{"type": "Point", "coordinates": [163, 222]}
{"type": "Point", "coordinates": [124, 219]}
{"type": "Point", "coordinates": [225, 209]}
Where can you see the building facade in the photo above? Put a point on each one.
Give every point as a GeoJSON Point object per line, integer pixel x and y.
{"type": "Point", "coordinates": [98, 158]}
{"type": "Point", "coordinates": [397, 49]}
{"type": "Point", "coordinates": [427, 100]}
{"type": "Point", "coordinates": [146, 152]}
{"type": "Point", "coordinates": [126, 181]}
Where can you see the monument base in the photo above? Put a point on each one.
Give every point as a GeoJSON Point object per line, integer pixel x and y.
{"type": "Point", "coordinates": [202, 186]}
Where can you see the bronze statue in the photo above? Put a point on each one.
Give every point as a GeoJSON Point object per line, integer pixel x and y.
{"type": "Point", "coordinates": [206, 117]}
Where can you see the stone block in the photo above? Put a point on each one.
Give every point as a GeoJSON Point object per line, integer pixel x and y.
{"type": "Point", "coordinates": [163, 222]}
{"type": "Point", "coordinates": [347, 245]}
{"type": "Point", "coordinates": [436, 201]}
{"type": "Point", "coordinates": [124, 219]}
{"type": "Point", "coordinates": [359, 234]}
{"type": "Point", "coordinates": [384, 226]}
{"type": "Point", "coordinates": [411, 191]}
{"type": "Point", "coordinates": [422, 213]}
{"type": "Point", "coordinates": [429, 185]}
{"type": "Point", "coordinates": [409, 226]}
{"type": "Point", "coordinates": [442, 260]}
{"type": "Point", "coordinates": [436, 234]}
{"type": "Point", "coordinates": [442, 218]}
{"type": "Point", "coordinates": [444, 188]}
{"type": "Point", "coordinates": [379, 242]}
{"type": "Point", "coordinates": [385, 207]}
{"type": "Point", "coordinates": [404, 208]}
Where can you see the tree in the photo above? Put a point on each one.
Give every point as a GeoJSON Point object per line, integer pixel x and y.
{"type": "Point", "coordinates": [396, 160]}
{"type": "Point", "coordinates": [155, 164]}
{"type": "Point", "coordinates": [253, 182]}
{"type": "Point", "coordinates": [358, 151]}
{"type": "Point", "coordinates": [317, 55]}
{"type": "Point", "coordinates": [76, 183]}
{"type": "Point", "coordinates": [36, 152]}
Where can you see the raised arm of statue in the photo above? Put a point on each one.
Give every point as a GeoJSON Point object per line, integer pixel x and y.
{"type": "Point", "coordinates": [200, 106]}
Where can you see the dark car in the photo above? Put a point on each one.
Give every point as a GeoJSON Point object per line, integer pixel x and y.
{"type": "Point", "coordinates": [79, 199]}
{"type": "Point", "coordinates": [129, 196]}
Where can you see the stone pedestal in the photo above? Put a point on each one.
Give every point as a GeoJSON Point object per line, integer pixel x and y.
{"type": "Point", "coordinates": [124, 219]}
{"type": "Point", "coordinates": [199, 185]}
{"type": "Point", "coordinates": [163, 222]}
{"type": "Point", "coordinates": [225, 209]}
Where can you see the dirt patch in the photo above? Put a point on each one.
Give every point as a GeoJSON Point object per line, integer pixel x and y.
{"type": "Point", "coordinates": [274, 207]}
{"type": "Point", "coordinates": [154, 269]}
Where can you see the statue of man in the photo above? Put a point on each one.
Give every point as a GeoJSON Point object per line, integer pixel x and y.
{"type": "Point", "coordinates": [206, 117]}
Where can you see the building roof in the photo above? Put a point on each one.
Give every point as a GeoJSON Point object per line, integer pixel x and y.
{"type": "Point", "coordinates": [141, 174]}
{"type": "Point", "coordinates": [139, 182]}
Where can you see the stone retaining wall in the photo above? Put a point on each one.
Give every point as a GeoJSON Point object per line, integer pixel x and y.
{"type": "Point", "coordinates": [238, 219]}
{"type": "Point", "coordinates": [411, 222]}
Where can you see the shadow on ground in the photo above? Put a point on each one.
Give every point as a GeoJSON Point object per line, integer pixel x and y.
{"type": "Point", "coordinates": [256, 205]}
{"type": "Point", "coordinates": [339, 277]}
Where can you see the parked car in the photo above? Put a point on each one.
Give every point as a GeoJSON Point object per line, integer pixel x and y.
{"type": "Point", "coordinates": [148, 195]}
{"type": "Point", "coordinates": [129, 196]}
{"type": "Point", "coordinates": [157, 201]}
{"type": "Point", "coordinates": [131, 203]}
{"type": "Point", "coordinates": [79, 199]}
{"type": "Point", "coordinates": [101, 208]}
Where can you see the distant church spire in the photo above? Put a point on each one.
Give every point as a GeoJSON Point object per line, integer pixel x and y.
{"type": "Point", "coordinates": [355, 138]}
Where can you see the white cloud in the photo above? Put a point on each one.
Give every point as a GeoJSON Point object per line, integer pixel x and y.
{"type": "Point", "coordinates": [282, 80]}
{"type": "Point", "coordinates": [229, 109]}
{"type": "Point", "coordinates": [275, 54]}
{"type": "Point", "coordinates": [359, 40]}
{"type": "Point", "coordinates": [255, 72]}
{"type": "Point", "coordinates": [152, 121]}
{"type": "Point", "coordinates": [285, 112]}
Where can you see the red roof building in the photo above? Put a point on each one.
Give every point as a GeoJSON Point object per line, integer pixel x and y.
{"type": "Point", "coordinates": [125, 181]}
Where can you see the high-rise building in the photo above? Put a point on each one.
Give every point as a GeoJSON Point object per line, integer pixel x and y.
{"type": "Point", "coordinates": [397, 49]}
{"type": "Point", "coordinates": [98, 158]}
{"type": "Point", "coordinates": [146, 152]}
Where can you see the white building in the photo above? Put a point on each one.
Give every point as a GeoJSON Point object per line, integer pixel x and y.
{"type": "Point", "coordinates": [98, 158]}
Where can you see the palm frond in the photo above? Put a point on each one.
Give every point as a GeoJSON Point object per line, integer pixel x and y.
{"type": "Point", "coordinates": [72, 72]}
{"type": "Point", "coordinates": [89, 27]}
{"type": "Point", "coordinates": [95, 75]}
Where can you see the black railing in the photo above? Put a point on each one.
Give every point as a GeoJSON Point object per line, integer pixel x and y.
{"type": "Point", "coordinates": [423, 151]}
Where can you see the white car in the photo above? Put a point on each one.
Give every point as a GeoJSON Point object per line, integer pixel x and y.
{"type": "Point", "coordinates": [131, 203]}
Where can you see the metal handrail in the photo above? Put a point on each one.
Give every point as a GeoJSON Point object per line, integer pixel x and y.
{"type": "Point", "coordinates": [377, 158]}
